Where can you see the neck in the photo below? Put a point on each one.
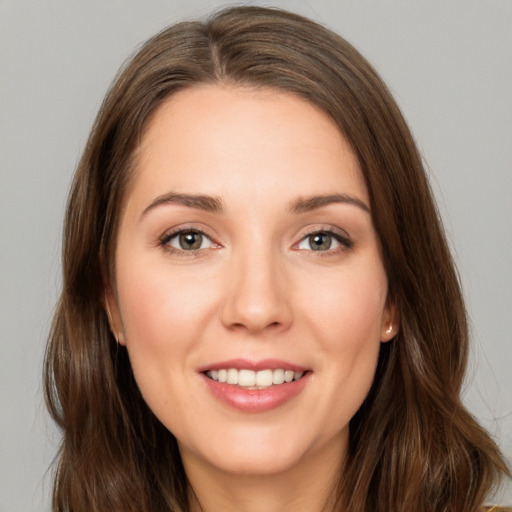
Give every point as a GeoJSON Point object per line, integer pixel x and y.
{"type": "Point", "coordinates": [309, 485]}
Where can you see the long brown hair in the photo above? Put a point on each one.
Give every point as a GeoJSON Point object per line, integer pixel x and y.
{"type": "Point", "coordinates": [413, 445]}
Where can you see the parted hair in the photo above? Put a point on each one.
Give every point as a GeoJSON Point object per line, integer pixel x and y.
{"type": "Point", "coordinates": [413, 446]}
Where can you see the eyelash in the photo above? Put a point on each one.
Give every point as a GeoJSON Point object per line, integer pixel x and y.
{"type": "Point", "coordinates": [165, 240]}
{"type": "Point", "coordinates": [345, 242]}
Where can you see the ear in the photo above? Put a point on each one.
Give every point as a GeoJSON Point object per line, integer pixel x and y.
{"type": "Point", "coordinates": [390, 321]}
{"type": "Point", "coordinates": [114, 317]}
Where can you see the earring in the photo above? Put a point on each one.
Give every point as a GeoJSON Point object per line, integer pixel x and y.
{"type": "Point", "coordinates": [389, 330]}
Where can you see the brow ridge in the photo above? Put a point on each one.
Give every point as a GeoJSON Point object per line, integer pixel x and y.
{"type": "Point", "coordinates": [214, 204]}
{"type": "Point", "coordinates": [199, 201]}
{"type": "Point", "coordinates": [306, 204]}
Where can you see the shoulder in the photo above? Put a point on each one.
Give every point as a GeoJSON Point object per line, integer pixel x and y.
{"type": "Point", "coordinates": [497, 509]}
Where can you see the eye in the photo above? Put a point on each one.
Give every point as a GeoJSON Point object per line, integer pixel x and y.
{"type": "Point", "coordinates": [187, 240]}
{"type": "Point", "coordinates": [324, 241]}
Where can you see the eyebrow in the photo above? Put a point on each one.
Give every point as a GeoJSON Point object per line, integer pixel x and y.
{"type": "Point", "coordinates": [198, 201]}
{"type": "Point", "coordinates": [214, 204]}
{"type": "Point", "coordinates": [307, 204]}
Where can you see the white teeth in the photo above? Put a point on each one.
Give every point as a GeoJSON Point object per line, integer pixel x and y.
{"type": "Point", "coordinates": [264, 378]}
{"type": "Point", "coordinates": [251, 379]}
{"type": "Point", "coordinates": [232, 377]}
{"type": "Point", "coordinates": [278, 376]}
{"type": "Point", "coordinates": [246, 378]}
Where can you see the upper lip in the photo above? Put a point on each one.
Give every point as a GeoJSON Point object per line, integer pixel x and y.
{"type": "Point", "coordinates": [262, 364]}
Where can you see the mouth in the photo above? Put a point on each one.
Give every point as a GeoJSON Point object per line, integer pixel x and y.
{"type": "Point", "coordinates": [250, 379]}
{"type": "Point", "coordinates": [255, 386]}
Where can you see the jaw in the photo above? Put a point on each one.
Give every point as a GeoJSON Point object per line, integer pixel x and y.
{"type": "Point", "coordinates": [284, 486]}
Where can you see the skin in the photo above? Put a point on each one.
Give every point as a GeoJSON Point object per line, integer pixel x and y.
{"type": "Point", "coordinates": [255, 289]}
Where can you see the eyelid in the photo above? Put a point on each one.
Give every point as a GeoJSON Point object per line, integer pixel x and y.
{"type": "Point", "coordinates": [341, 236]}
{"type": "Point", "coordinates": [175, 239]}
{"type": "Point", "coordinates": [163, 240]}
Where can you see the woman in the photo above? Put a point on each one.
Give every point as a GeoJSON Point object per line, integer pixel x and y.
{"type": "Point", "coordinates": [259, 308]}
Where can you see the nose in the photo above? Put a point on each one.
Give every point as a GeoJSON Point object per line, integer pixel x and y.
{"type": "Point", "coordinates": [258, 297]}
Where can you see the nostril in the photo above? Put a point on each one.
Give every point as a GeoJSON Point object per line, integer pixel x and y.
{"type": "Point", "coordinates": [254, 327]}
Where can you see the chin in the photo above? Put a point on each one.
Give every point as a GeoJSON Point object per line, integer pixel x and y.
{"type": "Point", "coordinates": [265, 452]}
{"type": "Point", "coordinates": [257, 463]}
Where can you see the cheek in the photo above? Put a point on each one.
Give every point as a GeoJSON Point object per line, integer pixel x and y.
{"type": "Point", "coordinates": [347, 308]}
{"type": "Point", "coordinates": [349, 326]}
{"type": "Point", "coordinates": [342, 313]}
{"type": "Point", "coordinates": [346, 318]}
{"type": "Point", "coordinates": [154, 300]}
{"type": "Point", "coordinates": [163, 315]}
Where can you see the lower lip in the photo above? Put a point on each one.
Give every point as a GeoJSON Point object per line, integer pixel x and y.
{"type": "Point", "coordinates": [256, 400]}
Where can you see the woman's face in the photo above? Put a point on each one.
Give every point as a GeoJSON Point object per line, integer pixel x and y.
{"type": "Point", "coordinates": [246, 252]}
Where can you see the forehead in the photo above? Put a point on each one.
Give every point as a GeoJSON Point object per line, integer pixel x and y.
{"type": "Point", "coordinates": [243, 142]}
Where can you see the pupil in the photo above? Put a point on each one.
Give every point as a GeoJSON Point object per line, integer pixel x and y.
{"type": "Point", "coordinates": [190, 241]}
{"type": "Point", "coordinates": [320, 242]}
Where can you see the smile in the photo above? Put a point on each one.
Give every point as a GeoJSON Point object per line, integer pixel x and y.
{"type": "Point", "coordinates": [250, 379]}
{"type": "Point", "coordinates": [255, 386]}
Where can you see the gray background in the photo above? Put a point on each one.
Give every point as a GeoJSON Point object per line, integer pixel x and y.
{"type": "Point", "coordinates": [449, 64]}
